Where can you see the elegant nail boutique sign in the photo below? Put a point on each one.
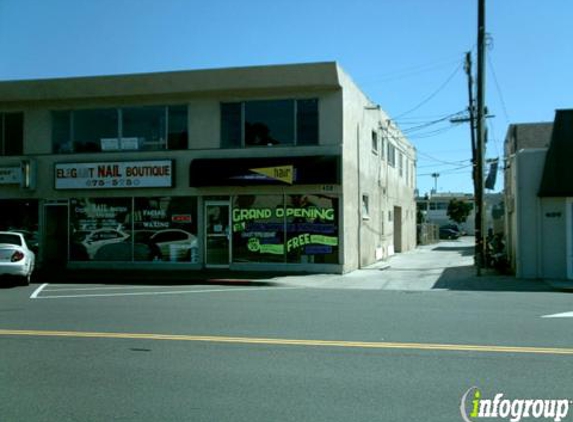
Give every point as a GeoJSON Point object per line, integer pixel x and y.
{"type": "Point", "coordinates": [114, 175]}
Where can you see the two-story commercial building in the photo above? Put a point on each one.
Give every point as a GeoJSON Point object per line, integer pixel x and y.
{"type": "Point", "coordinates": [285, 167]}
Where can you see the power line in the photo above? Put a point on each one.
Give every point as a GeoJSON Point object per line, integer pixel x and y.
{"type": "Point", "coordinates": [431, 96]}
{"type": "Point", "coordinates": [455, 163]}
{"type": "Point", "coordinates": [498, 88]}
{"type": "Point", "coordinates": [431, 123]}
{"type": "Point", "coordinates": [432, 133]}
{"type": "Point", "coordinates": [450, 171]}
{"type": "Point", "coordinates": [436, 165]}
{"type": "Point", "coordinates": [494, 138]}
{"type": "Point", "coordinates": [413, 71]}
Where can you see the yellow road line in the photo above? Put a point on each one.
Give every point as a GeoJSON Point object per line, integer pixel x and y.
{"type": "Point", "coordinates": [295, 342]}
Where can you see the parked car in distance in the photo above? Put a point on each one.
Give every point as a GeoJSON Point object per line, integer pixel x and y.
{"type": "Point", "coordinates": [16, 258]}
{"type": "Point", "coordinates": [446, 233]}
{"type": "Point", "coordinates": [454, 227]}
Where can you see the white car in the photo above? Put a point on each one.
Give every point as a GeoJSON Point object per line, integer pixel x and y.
{"type": "Point", "coordinates": [174, 244]}
{"type": "Point", "coordinates": [16, 259]}
{"type": "Point", "coordinates": [100, 237]}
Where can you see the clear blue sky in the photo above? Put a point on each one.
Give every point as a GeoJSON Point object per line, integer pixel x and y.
{"type": "Point", "coordinates": [406, 55]}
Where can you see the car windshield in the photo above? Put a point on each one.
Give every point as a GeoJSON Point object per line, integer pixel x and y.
{"type": "Point", "coordinates": [11, 239]}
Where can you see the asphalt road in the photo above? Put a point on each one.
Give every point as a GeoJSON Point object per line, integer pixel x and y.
{"type": "Point", "coordinates": [108, 352]}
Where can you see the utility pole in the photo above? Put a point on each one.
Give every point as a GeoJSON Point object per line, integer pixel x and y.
{"type": "Point", "coordinates": [480, 146]}
{"type": "Point", "coordinates": [471, 112]}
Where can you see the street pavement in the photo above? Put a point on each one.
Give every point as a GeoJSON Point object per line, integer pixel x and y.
{"type": "Point", "coordinates": [402, 340]}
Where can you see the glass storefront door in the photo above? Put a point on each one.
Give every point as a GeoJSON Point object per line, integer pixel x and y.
{"type": "Point", "coordinates": [217, 234]}
{"type": "Point", "coordinates": [55, 251]}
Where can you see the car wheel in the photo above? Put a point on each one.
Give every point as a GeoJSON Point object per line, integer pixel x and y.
{"type": "Point", "coordinates": [25, 280]}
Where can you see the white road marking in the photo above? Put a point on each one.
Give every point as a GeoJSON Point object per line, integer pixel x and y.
{"type": "Point", "coordinates": [164, 293]}
{"type": "Point", "coordinates": [561, 315]}
{"type": "Point", "coordinates": [38, 290]}
{"type": "Point", "coordinates": [124, 287]}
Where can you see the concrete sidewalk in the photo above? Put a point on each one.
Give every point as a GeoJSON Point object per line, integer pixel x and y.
{"type": "Point", "coordinates": [447, 265]}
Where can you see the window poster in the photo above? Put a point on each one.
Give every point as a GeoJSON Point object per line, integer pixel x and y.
{"type": "Point", "coordinates": [100, 229]}
{"type": "Point", "coordinates": [154, 229]}
{"type": "Point", "coordinates": [166, 227]}
{"type": "Point", "coordinates": [291, 228]}
{"type": "Point", "coordinates": [312, 228]}
{"type": "Point", "coordinates": [258, 228]}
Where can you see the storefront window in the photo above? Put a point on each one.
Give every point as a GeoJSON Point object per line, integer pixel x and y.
{"type": "Point", "coordinates": [100, 229]}
{"type": "Point", "coordinates": [312, 229]}
{"type": "Point", "coordinates": [311, 223]}
{"type": "Point", "coordinates": [165, 229]}
{"type": "Point", "coordinates": [258, 228]}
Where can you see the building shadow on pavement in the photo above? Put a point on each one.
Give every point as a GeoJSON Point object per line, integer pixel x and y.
{"type": "Point", "coordinates": [465, 278]}
{"type": "Point", "coordinates": [156, 277]}
{"type": "Point", "coordinates": [463, 250]}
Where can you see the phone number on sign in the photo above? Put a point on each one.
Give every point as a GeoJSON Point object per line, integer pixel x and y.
{"type": "Point", "coordinates": [101, 183]}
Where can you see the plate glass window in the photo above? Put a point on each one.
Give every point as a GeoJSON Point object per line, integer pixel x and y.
{"type": "Point", "coordinates": [177, 136]}
{"type": "Point", "coordinates": [307, 122]}
{"type": "Point", "coordinates": [143, 128]}
{"type": "Point", "coordinates": [11, 133]}
{"type": "Point", "coordinates": [269, 122]}
{"type": "Point", "coordinates": [146, 128]}
{"type": "Point", "coordinates": [92, 127]}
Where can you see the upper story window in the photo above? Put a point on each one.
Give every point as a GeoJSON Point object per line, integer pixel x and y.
{"type": "Point", "coordinates": [374, 142]}
{"type": "Point", "coordinates": [146, 128]}
{"type": "Point", "coordinates": [391, 154]}
{"type": "Point", "coordinates": [269, 122]}
{"type": "Point", "coordinates": [11, 133]}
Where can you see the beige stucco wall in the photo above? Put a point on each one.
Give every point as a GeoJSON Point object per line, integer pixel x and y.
{"type": "Point", "coordinates": [368, 173]}
{"type": "Point", "coordinates": [346, 122]}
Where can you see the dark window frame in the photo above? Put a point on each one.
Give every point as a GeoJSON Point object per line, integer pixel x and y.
{"type": "Point", "coordinates": [179, 139]}
{"type": "Point", "coordinates": [391, 154]}
{"type": "Point", "coordinates": [11, 148]}
{"type": "Point", "coordinates": [229, 133]}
